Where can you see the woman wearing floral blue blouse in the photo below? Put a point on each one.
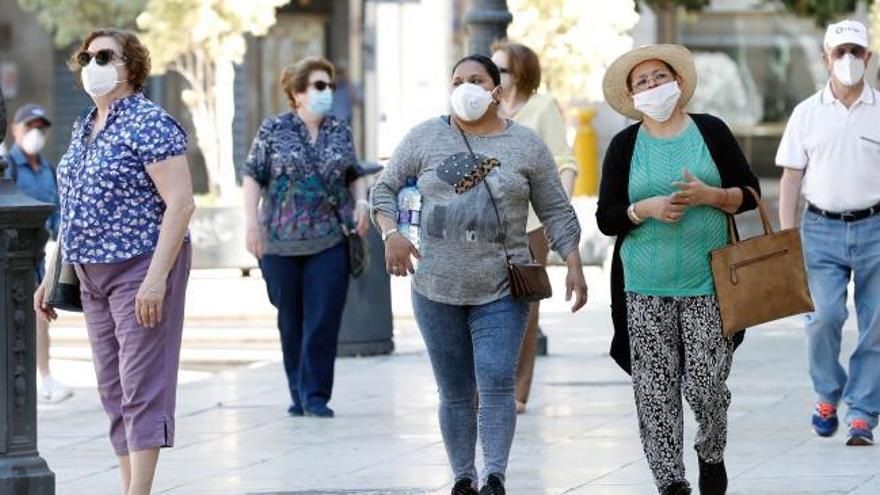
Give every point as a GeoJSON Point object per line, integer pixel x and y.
{"type": "Point", "coordinates": [125, 202]}
{"type": "Point", "coordinates": [302, 176]}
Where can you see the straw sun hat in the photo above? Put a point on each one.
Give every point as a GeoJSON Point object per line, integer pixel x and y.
{"type": "Point", "coordinates": [614, 84]}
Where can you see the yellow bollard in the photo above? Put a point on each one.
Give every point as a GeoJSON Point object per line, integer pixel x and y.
{"type": "Point", "coordinates": [586, 154]}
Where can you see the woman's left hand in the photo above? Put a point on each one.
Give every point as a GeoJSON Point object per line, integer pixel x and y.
{"type": "Point", "coordinates": [149, 301]}
{"type": "Point", "coordinates": [693, 191]}
{"type": "Point", "coordinates": [362, 217]}
{"type": "Point", "coordinates": [576, 283]}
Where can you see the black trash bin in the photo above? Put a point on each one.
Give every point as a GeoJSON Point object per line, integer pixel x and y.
{"type": "Point", "coordinates": [367, 323]}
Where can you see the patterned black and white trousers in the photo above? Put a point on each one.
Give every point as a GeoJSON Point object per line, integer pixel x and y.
{"type": "Point", "coordinates": [677, 348]}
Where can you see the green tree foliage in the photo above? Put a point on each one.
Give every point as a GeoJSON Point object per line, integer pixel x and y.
{"type": "Point", "coordinates": [574, 40]}
{"type": "Point", "coordinates": [822, 11]}
{"type": "Point", "coordinates": [666, 11]}
{"type": "Point", "coordinates": [689, 5]}
{"type": "Point", "coordinates": [202, 40]}
{"type": "Point", "coordinates": [69, 20]}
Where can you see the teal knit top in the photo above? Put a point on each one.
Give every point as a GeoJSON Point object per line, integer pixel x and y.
{"type": "Point", "coordinates": [672, 259]}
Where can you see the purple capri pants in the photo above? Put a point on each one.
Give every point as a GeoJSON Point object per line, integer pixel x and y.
{"type": "Point", "coordinates": [136, 366]}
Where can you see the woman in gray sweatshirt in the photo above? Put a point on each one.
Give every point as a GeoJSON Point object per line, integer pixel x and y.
{"type": "Point", "coordinates": [473, 328]}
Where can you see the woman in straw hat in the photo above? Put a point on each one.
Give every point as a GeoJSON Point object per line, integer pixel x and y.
{"type": "Point", "coordinates": [668, 183]}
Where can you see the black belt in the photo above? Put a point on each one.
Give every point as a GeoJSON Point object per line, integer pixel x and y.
{"type": "Point", "coordinates": [847, 216]}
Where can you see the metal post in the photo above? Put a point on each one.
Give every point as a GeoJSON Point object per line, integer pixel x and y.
{"type": "Point", "coordinates": [22, 236]}
{"type": "Point", "coordinates": [487, 23]}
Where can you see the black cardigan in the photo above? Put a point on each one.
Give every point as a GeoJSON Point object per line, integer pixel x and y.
{"type": "Point", "coordinates": [614, 201]}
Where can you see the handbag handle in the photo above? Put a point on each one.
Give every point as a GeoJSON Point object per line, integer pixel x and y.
{"type": "Point", "coordinates": [765, 220]}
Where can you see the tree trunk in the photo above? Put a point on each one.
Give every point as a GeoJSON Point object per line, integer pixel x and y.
{"type": "Point", "coordinates": [210, 101]}
{"type": "Point", "coordinates": [667, 27]}
{"type": "Point", "coordinates": [223, 108]}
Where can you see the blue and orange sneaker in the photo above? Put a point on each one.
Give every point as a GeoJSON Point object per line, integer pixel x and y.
{"type": "Point", "coordinates": [860, 433]}
{"type": "Point", "coordinates": [825, 419]}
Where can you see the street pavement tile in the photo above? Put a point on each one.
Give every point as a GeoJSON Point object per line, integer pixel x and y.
{"type": "Point", "coordinates": [579, 436]}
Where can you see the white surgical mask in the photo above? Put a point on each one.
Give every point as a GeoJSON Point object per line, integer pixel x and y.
{"type": "Point", "coordinates": [33, 141]}
{"type": "Point", "coordinates": [98, 80]}
{"type": "Point", "coordinates": [470, 102]}
{"type": "Point", "coordinates": [849, 70]}
{"type": "Point", "coordinates": [658, 103]}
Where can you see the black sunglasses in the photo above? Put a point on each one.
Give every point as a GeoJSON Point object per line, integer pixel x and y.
{"type": "Point", "coordinates": [322, 85]}
{"type": "Point", "coordinates": [102, 57]}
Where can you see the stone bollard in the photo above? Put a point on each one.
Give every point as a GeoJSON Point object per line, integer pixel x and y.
{"type": "Point", "coordinates": [22, 236]}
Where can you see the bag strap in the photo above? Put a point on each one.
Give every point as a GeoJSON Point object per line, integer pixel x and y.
{"type": "Point", "coordinates": [765, 220]}
{"type": "Point", "coordinates": [485, 182]}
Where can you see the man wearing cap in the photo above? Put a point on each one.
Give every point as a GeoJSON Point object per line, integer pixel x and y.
{"type": "Point", "coordinates": [35, 177]}
{"type": "Point", "coordinates": [831, 152]}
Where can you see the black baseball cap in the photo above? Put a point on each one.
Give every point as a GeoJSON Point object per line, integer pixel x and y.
{"type": "Point", "coordinates": [29, 113]}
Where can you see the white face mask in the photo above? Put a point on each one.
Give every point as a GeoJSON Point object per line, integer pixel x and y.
{"type": "Point", "coordinates": [470, 102]}
{"type": "Point", "coordinates": [658, 103]}
{"type": "Point", "coordinates": [98, 80]}
{"type": "Point", "coordinates": [33, 141]}
{"type": "Point", "coordinates": [849, 70]}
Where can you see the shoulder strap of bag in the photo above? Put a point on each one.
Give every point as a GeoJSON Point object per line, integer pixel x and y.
{"type": "Point", "coordinates": [765, 220]}
{"type": "Point", "coordinates": [485, 182]}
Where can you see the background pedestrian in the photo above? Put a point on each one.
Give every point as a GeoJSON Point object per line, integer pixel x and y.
{"type": "Point", "coordinates": [303, 189]}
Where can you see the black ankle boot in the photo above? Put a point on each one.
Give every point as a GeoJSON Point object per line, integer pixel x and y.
{"type": "Point", "coordinates": [464, 486]}
{"type": "Point", "coordinates": [713, 478]}
{"type": "Point", "coordinates": [677, 488]}
{"type": "Point", "coordinates": [493, 486]}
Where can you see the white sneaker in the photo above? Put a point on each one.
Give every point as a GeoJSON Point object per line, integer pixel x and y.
{"type": "Point", "coordinates": [52, 392]}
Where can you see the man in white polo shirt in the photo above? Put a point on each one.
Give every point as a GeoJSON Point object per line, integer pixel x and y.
{"type": "Point", "coordinates": [831, 150]}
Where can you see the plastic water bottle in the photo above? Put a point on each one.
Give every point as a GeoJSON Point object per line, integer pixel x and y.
{"type": "Point", "coordinates": [409, 211]}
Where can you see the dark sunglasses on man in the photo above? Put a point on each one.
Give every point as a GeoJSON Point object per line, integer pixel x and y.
{"type": "Point", "coordinates": [102, 57]}
{"type": "Point", "coordinates": [322, 85]}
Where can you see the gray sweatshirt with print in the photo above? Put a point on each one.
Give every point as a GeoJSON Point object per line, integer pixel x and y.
{"type": "Point", "coordinates": [461, 242]}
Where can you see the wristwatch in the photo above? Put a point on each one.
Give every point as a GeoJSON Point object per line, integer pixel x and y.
{"type": "Point", "coordinates": [386, 235]}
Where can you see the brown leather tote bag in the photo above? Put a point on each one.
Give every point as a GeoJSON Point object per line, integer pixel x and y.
{"type": "Point", "coordinates": [760, 279]}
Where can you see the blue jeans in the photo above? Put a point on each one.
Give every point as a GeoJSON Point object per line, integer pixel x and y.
{"type": "Point", "coordinates": [309, 293]}
{"type": "Point", "coordinates": [834, 251]}
{"type": "Point", "coordinates": [474, 351]}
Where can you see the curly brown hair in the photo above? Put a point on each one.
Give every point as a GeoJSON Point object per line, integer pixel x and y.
{"type": "Point", "coordinates": [523, 63]}
{"type": "Point", "coordinates": [134, 54]}
{"type": "Point", "coordinates": [295, 78]}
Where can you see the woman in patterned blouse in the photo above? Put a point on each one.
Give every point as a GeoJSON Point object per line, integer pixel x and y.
{"type": "Point", "coordinates": [301, 178]}
{"type": "Point", "coordinates": [125, 201]}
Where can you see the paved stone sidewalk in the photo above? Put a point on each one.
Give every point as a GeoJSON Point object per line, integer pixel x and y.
{"type": "Point", "coordinates": [579, 436]}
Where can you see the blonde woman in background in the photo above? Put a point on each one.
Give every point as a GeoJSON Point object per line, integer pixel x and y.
{"type": "Point", "coordinates": [520, 78]}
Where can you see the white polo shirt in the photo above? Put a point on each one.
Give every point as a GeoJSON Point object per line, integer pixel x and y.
{"type": "Point", "coordinates": [839, 147]}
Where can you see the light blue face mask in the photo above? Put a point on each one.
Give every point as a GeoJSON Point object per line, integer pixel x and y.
{"type": "Point", "coordinates": [320, 102]}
